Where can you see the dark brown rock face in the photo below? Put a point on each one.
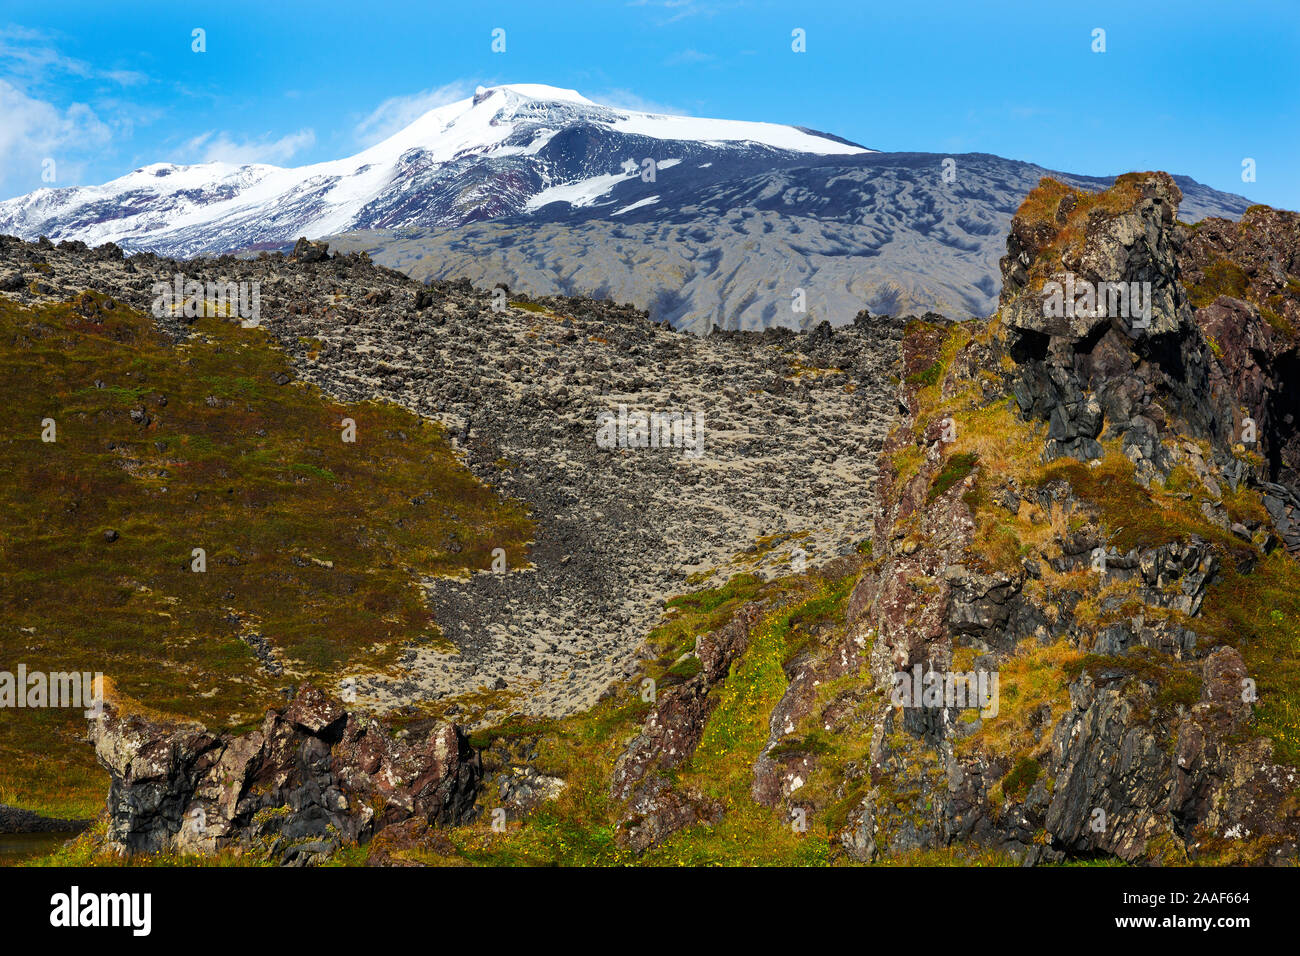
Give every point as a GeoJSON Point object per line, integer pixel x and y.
{"type": "Point", "coordinates": [657, 810]}
{"type": "Point", "coordinates": [313, 773]}
{"type": "Point", "coordinates": [1153, 756]}
{"type": "Point", "coordinates": [668, 738]}
{"type": "Point", "coordinates": [1244, 278]}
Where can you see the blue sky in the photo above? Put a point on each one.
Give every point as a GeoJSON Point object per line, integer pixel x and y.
{"type": "Point", "coordinates": [1190, 87]}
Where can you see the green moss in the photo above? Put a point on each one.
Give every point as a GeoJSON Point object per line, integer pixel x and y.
{"type": "Point", "coordinates": [927, 376]}
{"type": "Point", "coordinates": [1016, 784]}
{"type": "Point", "coordinates": [530, 307]}
{"type": "Point", "coordinates": [1133, 516]}
{"type": "Point", "coordinates": [1178, 684]}
{"type": "Point", "coordinates": [516, 727]}
{"type": "Point", "coordinates": [954, 470]}
{"type": "Point", "coordinates": [1221, 277]}
{"type": "Point", "coordinates": [1275, 319]}
{"type": "Point", "coordinates": [686, 668]}
{"type": "Point", "coordinates": [313, 471]}
{"type": "Point", "coordinates": [1259, 614]}
{"type": "Point", "coordinates": [815, 742]}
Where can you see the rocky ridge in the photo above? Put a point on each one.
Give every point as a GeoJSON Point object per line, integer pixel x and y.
{"type": "Point", "coordinates": [1152, 757]}
{"type": "Point", "coordinates": [1067, 504]}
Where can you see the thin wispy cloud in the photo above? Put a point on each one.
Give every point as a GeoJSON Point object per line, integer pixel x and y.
{"type": "Point", "coordinates": [672, 11]}
{"type": "Point", "coordinates": [627, 100]}
{"type": "Point", "coordinates": [221, 147]}
{"type": "Point", "coordinates": [398, 112]}
{"type": "Point", "coordinates": [30, 56]}
{"type": "Point", "coordinates": [688, 57]}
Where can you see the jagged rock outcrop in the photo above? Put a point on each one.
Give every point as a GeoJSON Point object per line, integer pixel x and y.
{"type": "Point", "coordinates": [306, 251]}
{"type": "Point", "coordinates": [1120, 787]}
{"type": "Point", "coordinates": [1034, 547]}
{"type": "Point", "coordinates": [312, 777]}
{"type": "Point", "coordinates": [1242, 277]}
{"type": "Point", "coordinates": [1089, 359]}
{"type": "Point", "coordinates": [673, 729]}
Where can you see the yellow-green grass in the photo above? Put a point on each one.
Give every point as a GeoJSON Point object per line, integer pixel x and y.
{"type": "Point", "coordinates": [580, 827]}
{"type": "Point", "coordinates": [312, 542]}
{"type": "Point", "coordinates": [1034, 677]}
{"type": "Point", "coordinates": [82, 852]}
{"type": "Point", "coordinates": [1259, 614]}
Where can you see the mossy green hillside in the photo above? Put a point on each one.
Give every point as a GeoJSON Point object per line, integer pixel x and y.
{"type": "Point", "coordinates": [313, 545]}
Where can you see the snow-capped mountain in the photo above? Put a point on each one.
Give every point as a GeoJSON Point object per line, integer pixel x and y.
{"type": "Point", "coordinates": [508, 150]}
{"type": "Point", "coordinates": [546, 191]}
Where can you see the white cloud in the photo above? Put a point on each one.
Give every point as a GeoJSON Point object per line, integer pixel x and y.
{"type": "Point", "coordinates": [126, 77]}
{"type": "Point", "coordinates": [35, 130]}
{"type": "Point", "coordinates": [398, 112]}
{"type": "Point", "coordinates": [27, 54]}
{"type": "Point", "coordinates": [219, 147]}
{"type": "Point", "coordinates": [675, 10]}
{"type": "Point", "coordinates": [686, 57]}
{"type": "Point", "coordinates": [34, 127]}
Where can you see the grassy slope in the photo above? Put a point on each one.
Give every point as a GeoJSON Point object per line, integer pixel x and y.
{"type": "Point", "coordinates": [311, 542]}
{"type": "Point", "coordinates": [579, 828]}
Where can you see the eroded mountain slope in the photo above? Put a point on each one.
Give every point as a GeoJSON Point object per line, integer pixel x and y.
{"type": "Point", "coordinates": [892, 232]}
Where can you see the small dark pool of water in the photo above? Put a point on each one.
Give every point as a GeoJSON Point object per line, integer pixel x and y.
{"type": "Point", "coordinates": [17, 847]}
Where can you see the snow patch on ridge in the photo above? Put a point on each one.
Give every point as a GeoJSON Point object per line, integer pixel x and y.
{"type": "Point", "coordinates": [649, 200]}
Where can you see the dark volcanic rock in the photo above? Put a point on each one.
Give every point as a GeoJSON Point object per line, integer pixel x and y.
{"type": "Point", "coordinates": [306, 251]}
{"type": "Point", "coordinates": [1155, 756]}
{"type": "Point", "coordinates": [313, 772]}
